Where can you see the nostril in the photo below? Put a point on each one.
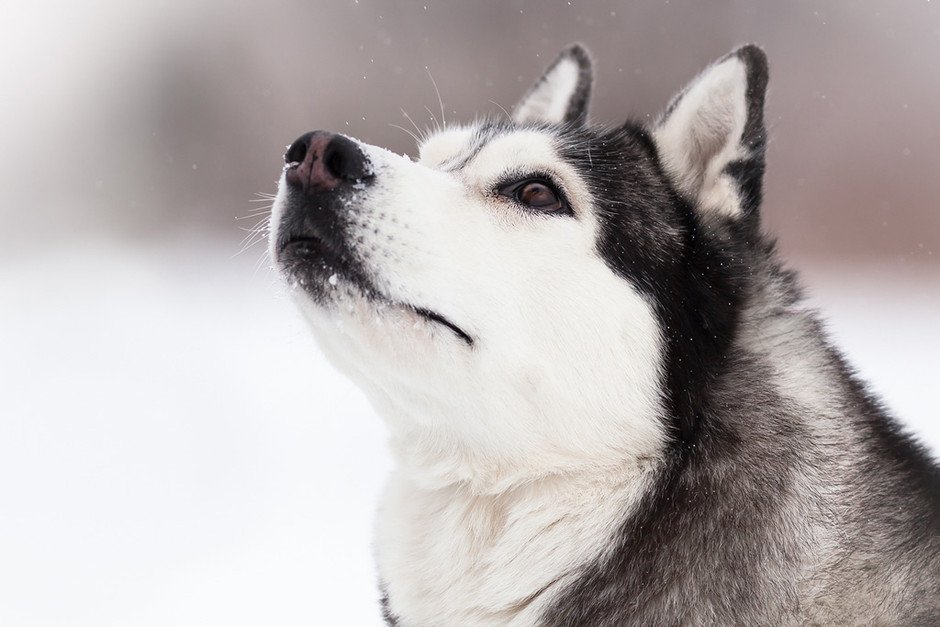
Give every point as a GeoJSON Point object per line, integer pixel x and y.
{"type": "Point", "coordinates": [343, 160]}
{"type": "Point", "coordinates": [336, 162]}
{"type": "Point", "coordinates": [298, 150]}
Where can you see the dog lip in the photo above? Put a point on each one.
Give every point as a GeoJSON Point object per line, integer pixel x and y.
{"type": "Point", "coordinates": [435, 317]}
{"type": "Point", "coordinates": [296, 240]}
{"type": "Point", "coordinates": [292, 250]}
{"type": "Point", "coordinates": [317, 247]}
{"type": "Point", "coordinates": [310, 255]}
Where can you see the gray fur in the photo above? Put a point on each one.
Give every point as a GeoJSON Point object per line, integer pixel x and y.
{"type": "Point", "coordinates": [773, 488]}
{"type": "Point", "coordinates": [790, 508]}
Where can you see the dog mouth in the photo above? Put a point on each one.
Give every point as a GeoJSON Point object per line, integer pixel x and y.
{"type": "Point", "coordinates": [317, 265]}
{"type": "Point", "coordinates": [437, 318]}
{"type": "Point", "coordinates": [305, 257]}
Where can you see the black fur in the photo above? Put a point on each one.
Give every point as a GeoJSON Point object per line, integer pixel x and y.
{"type": "Point", "coordinates": [723, 535]}
{"type": "Point", "coordinates": [313, 239]}
{"type": "Point", "coordinates": [767, 507]}
{"type": "Point", "coordinates": [650, 236]}
{"type": "Point", "coordinates": [312, 243]}
{"type": "Point", "coordinates": [390, 619]}
{"type": "Point", "coordinates": [714, 541]}
{"type": "Point", "coordinates": [749, 172]}
{"type": "Point", "coordinates": [581, 98]}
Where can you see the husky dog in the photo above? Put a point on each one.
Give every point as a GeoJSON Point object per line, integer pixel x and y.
{"type": "Point", "coordinates": [607, 400]}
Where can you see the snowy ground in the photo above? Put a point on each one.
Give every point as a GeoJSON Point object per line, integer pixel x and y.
{"type": "Point", "coordinates": [173, 451]}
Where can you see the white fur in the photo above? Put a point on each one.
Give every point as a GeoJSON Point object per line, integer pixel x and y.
{"type": "Point", "coordinates": [514, 407]}
{"type": "Point", "coordinates": [444, 146]}
{"type": "Point", "coordinates": [451, 556]}
{"type": "Point", "coordinates": [701, 135]}
{"type": "Point", "coordinates": [548, 101]}
{"type": "Point", "coordinates": [495, 443]}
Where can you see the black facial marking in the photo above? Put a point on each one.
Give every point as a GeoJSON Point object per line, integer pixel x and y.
{"type": "Point", "coordinates": [651, 237]}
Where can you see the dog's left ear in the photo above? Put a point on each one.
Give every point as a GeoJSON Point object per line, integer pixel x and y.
{"type": "Point", "coordinates": [562, 94]}
{"type": "Point", "coordinates": [711, 138]}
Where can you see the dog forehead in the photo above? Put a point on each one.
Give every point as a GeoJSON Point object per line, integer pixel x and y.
{"type": "Point", "coordinates": [522, 151]}
{"type": "Point", "coordinates": [493, 144]}
{"type": "Point", "coordinates": [448, 146]}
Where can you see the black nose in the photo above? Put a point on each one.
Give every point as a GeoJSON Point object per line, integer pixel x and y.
{"type": "Point", "coordinates": [321, 161]}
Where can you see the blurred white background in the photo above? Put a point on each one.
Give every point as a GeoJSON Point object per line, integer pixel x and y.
{"type": "Point", "coordinates": [173, 449]}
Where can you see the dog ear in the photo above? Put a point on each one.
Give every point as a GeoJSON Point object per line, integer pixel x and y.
{"type": "Point", "coordinates": [711, 138]}
{"type": "Point", "coordinates": [563, 92]}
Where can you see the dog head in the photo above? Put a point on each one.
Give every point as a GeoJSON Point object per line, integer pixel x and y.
{"type": "Point", "coordinates": [533, 294]}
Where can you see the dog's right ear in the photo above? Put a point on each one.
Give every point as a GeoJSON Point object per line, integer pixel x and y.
{"type": "Point", "coordinates": [562, 94]}
{"type": "Point", "coordinates": [711, 138]}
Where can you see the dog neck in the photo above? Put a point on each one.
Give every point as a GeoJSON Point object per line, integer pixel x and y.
{"type": "Point", "coordinates": [433, 460]}
{"type": "Point", "coordinates": [457, 555]}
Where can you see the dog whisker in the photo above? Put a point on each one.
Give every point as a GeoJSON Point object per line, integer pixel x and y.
{"type": "Point", "coordinates": [438, 92]}
{"type": "Point", "coordinates": [413, 136]}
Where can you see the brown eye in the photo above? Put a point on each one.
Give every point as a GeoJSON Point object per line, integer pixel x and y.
{"type": "Point", "coordinates": [535, 194]}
